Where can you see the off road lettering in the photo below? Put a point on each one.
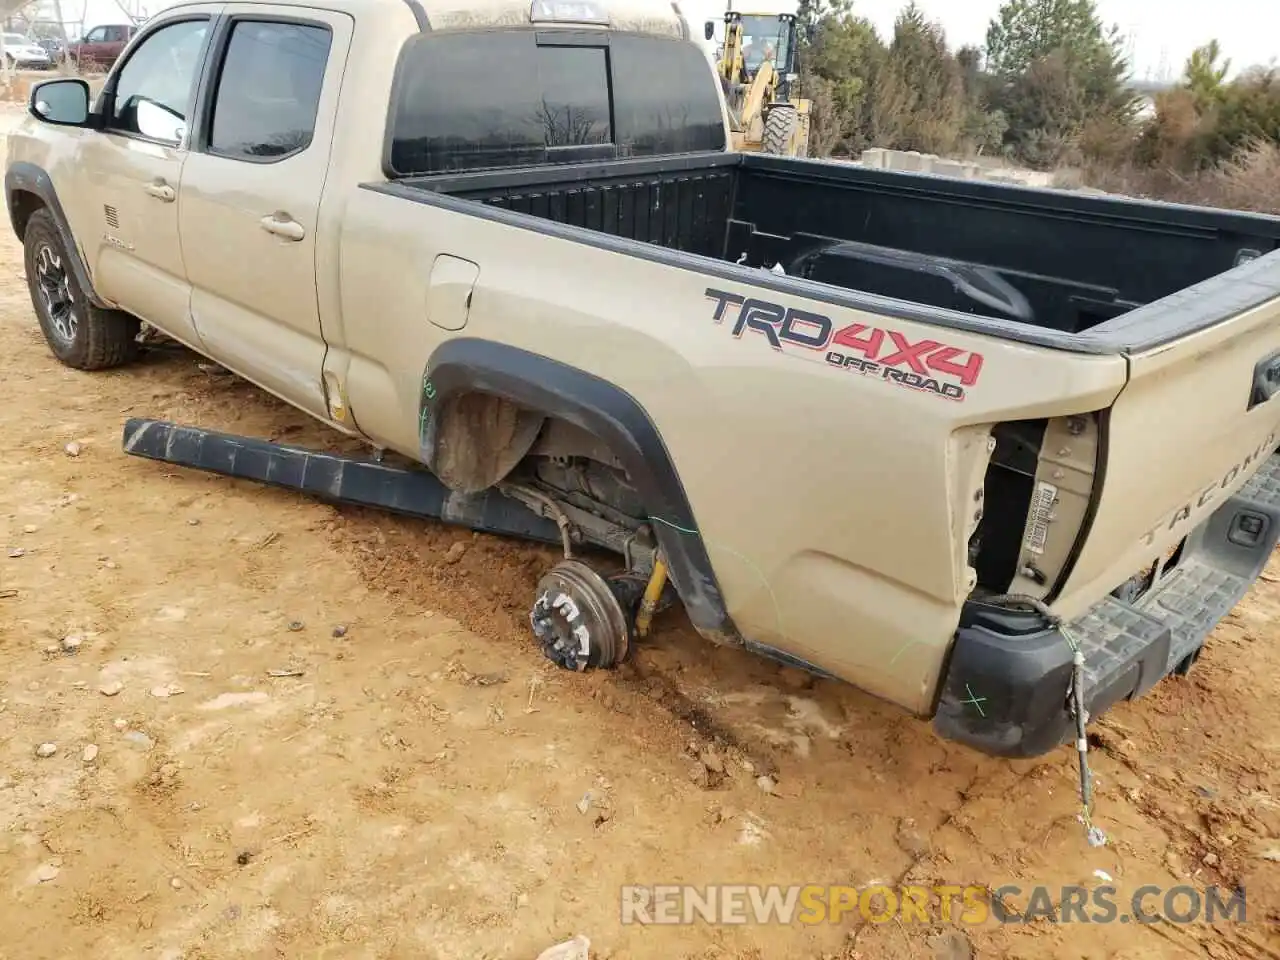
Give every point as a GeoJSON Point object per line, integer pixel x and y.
{"type": "Point", "coordinates": [927, 384]}
{"type": "Point", "coordinates": [856, 364]}
{"type": "Point", "coordinates": [926, 365]}
{"type": "Point", "coordinates": [903, 378]}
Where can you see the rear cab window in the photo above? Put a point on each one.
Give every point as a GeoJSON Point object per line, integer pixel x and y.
{"type": "Point", "coordinates": [557, 96]}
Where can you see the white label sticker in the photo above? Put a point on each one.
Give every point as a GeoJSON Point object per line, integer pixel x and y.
{"type": "Point", "coordinates": [1038, 522]}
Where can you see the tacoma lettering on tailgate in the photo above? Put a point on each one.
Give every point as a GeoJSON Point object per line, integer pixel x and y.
{"type": "Point", "coordinates": [929, 366]}
{"type": "Point", "coordinates": [1210, 493]}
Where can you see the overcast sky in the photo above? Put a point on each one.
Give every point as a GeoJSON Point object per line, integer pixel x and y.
{"type": "Point", "coordinates": [1163, 32]}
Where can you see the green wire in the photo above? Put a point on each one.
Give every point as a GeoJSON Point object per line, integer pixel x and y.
{"type": "Point", "coordinates": [777, 609]}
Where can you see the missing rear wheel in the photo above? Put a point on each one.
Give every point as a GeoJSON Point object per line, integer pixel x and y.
{"type": "Point", "coordinates": [581, 619]}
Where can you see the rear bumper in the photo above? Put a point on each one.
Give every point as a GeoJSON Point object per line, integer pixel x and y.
{"type": "Point", "coordinates": [1005, 689]}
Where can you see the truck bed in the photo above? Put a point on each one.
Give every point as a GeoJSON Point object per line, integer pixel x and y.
{"type": "Point", "coordinates": [1041, 258]}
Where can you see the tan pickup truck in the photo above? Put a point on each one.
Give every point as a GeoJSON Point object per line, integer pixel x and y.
{"type": "Point", "coordinates": [925, 435]}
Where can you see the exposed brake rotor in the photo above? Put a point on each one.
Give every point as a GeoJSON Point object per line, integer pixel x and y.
{"type": "Point", "coordinates": [581, 619]}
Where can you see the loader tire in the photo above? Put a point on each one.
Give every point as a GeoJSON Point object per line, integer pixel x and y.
{"type": "Point", "coordinates": [79, 334]}
{"type": "Point", "coordinates": [778, 129]}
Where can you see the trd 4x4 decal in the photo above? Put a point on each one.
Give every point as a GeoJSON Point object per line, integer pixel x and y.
{"type": "Point", "coordinates": [926, 365]}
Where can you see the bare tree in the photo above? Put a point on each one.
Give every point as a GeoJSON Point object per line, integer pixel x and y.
{"type": "Point", "coordinates": [568, 126]}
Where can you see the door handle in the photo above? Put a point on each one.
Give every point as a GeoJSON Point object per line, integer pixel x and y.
{"type": "Point", "coordinates": [160, 190]}
{"type": "Point", "coordinates": [283, 225]}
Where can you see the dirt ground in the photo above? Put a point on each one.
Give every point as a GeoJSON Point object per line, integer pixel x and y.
{"type": "Point", "coordinates": [415, 786]}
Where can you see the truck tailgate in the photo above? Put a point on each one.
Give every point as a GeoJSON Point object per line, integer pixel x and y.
{"type": "Point", "coordinates": [1187, 516]}
{"type": "Point", "coordinates": [1195, 421]}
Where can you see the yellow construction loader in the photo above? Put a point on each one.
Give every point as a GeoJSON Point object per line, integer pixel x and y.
{"type": "Point", "coordinates": [757, 67]}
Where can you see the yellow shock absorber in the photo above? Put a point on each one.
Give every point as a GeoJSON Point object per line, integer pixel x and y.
{"type": "Point", "coordinates": [652, 592]}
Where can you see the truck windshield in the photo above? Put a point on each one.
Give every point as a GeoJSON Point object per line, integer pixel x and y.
{"type": "Point", "coordinates": [764, 38]}
{"type": "Point", "coordinates": [474, 101]}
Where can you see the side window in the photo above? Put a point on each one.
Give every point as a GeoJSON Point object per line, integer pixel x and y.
{"type": "Point", "coordinates": [96, 35]}
{"type": "Point", "coordinates": [117, 34]}
{"type": "Point", "coordinates": [154, 90]}
{"type": "Point", "coordinates": [269, 90]}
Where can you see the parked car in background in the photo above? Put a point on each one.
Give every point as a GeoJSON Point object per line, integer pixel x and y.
{"type": "Point", "coordinates": [24, 53]}
{"type": "Point", "coordinates": [101, 45]}
{"type": "Point", "coordinates": [55, 47]}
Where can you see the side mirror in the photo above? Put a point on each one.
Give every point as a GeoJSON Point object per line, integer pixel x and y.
{"type": "Point", "coordinates": [64, 102]}
{"type": "Point", "coordinates": [709, 30]}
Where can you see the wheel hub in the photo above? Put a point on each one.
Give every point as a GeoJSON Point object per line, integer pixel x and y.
{"type": "Point", "coordinates": [54, 290]}
{"type": "Point", "coordinates": [579, 619]}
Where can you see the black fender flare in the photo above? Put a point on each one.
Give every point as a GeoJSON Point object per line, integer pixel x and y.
{"type": "Point", "coordinates": [24, 177]}
{"type": "Point", "coordinates": [469, 364]}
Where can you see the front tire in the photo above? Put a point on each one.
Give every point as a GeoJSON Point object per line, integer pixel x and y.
{"type": "Point", "coordinates": [778, 129]}
{"type": "Point", "coordinates": [79, 334]}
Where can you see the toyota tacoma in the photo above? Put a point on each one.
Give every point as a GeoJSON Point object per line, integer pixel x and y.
{"type": "Point", "coordinates": [1000, 455]}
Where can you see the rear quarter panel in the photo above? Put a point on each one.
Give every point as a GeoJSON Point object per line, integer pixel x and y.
{"type": "Point", "coordinates": [835, 506]}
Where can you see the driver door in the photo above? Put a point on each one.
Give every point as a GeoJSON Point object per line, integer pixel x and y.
{"type": "Point", "coordinates": [137, 162]}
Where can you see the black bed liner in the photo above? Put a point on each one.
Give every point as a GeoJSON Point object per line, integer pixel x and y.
{"type": "Point", "coordinates": [1064, 269]}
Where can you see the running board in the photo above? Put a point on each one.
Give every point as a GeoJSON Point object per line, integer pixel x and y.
{"type": "Point", "coordinates": [334, 478]}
